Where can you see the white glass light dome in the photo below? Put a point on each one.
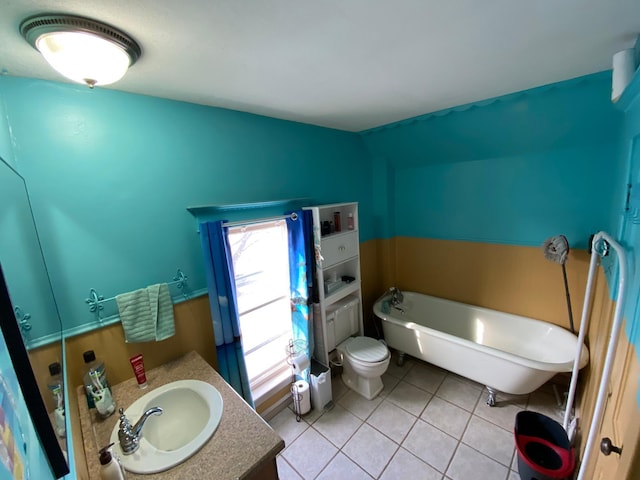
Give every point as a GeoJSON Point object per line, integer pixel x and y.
{"type": "Point", "coordinates": [81, 49]}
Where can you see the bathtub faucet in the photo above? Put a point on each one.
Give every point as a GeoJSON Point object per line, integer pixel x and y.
{"type": "Point", "coordinates": [396, 299]}
{"type": "Point", "coordinates": [396, 296]}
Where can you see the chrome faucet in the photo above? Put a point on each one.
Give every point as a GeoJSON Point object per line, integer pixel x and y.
{"type": "Point", "coordinates": [129, 436]}
{"type": "Point", "coordinates": [396, 296]}
{"type": "Point", "coordinates": [396, 299]}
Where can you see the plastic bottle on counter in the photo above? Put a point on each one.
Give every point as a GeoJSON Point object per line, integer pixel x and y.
{"type": "Point", "coordinates": [97, 385]}
{"type": "Point", "coordinates": [110, 468]}
{"type": "Point", "coordinates": [350, 224]}
{"type": "Point", "coordinates": [57, 392]}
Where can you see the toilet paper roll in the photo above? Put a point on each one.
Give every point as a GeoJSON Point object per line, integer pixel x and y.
{"type": "Point", "coordinates": [301, 397]}
{"type": "Point", "coordinates": [300, 363]}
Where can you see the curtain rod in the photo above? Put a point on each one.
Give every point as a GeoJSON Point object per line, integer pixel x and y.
{"type": "Point", "coordinates": [240, 223]}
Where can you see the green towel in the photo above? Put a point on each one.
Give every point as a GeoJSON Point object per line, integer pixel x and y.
{"type": "Point", "coordinates": [146, 314]}
{"type": "Point", "coordinates": [162, 310]}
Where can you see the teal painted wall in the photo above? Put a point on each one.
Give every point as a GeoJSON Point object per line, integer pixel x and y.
{"type": "Point", "coordinates": [514, 200]}
{"type": "Point", "coordinates": [6, 148]}
{"type": "Point", "coordinates": [630, 237]}
{"type": "Point", "coordinates": [515, 170]}
{"type": "Point", "coordinates": [518, 169]}
{"type": "Point", "coordinates": [111, 174]}
{"type": "Point", "coordinates": [22, 262]}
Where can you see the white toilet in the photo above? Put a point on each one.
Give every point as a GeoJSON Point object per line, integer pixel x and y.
{"type": "Point", "coordinates": [364, 361]}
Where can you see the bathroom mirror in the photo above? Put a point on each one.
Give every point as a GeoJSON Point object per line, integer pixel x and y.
{"type": "Point", "coordinates": [30, 321]}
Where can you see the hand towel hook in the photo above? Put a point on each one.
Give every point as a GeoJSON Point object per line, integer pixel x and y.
{"type": "Point", "coordinates": [23, 322]}
{"type": "Point", "coordinates": [94, 302]}
{"type": "Point", "coordinates": [181, 280]}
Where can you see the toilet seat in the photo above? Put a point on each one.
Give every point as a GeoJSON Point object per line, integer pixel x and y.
{"type": "Point", "coordinates": [366, 349]}
{"type": "Point", "coordinates": [364, 361]}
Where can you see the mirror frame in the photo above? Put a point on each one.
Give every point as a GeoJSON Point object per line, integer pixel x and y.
{"type": "Point", "coordinates": [28, 384]}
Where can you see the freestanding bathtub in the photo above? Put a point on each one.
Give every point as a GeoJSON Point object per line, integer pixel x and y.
{"type": "Point", "coordinates": [507, 353]}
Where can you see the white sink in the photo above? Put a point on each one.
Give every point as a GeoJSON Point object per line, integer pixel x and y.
{"type": "Point", "coordinates": [191, 413]}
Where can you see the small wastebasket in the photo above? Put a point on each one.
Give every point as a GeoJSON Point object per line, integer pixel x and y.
{"type": "Point", "coordinates": [544, 451]}
{"type": "Point", "coordinates": [321, 396]}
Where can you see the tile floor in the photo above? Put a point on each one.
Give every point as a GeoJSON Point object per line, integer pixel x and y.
{"type": "Point", "coordinates": [426, 424]}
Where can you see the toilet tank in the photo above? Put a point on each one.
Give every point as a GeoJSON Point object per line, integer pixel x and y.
{"type": "Point", "coordinates": [342, 321]}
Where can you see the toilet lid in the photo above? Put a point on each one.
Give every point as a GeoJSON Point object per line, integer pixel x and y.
{"type": "Point", "coordinates": [367, 349]}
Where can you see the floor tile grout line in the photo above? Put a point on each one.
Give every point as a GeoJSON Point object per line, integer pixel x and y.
{"type": "Point", "coordinates": [419, 417]}
{"type": "Point", "coordinates": [508, 467]}
{"type": "Point", "coordinates": [405, 435]}
{"type": "Point", "coordinates": [471, 414]}
{"type": "Point", "coordinates": [297, 436]}
{"type": "Point", "coordinates": [362, 422]}
{"type": "Point", "coordinates": [455, 450]}
{"type": "Point", "coordinates": [348, 439]}
{"type": "Point", "coordinates": [493, 422]}
{"type": "Point", "coordinates": [399, 444]}
{"type": "Point", "coordinates": [411, 413]}
{"type": "Point", "coordinates": [360, 418]}
{"type": "Point", "coordinates": [388, 461]}
{"type": "Point", "coordinates": [470, 446]}
{"type": "Point", "coordinates": [459, 406]}
{"type": "Point", "coordinates": [464, 408]}
{"type": "Point", "coordinates": [292, 467]}
{"type": "Point", "coordinates": [354, 460]}
{"type": "Point", "coordinates": [416, 457]}
{"type": "Point", "coordinates": [421, 388]}
{"type": "Point", "coordinates": [327, 464]}
{"type": "Point", "coordinates": [416, 418]}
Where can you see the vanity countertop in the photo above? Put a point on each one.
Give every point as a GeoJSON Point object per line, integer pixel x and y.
{"type": "Point", "coordinates": [242, 444]}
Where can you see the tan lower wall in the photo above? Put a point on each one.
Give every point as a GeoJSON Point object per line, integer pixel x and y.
{"type": "Point", "coordinates": [40, 359]}
{"type": "Point", "coordinates": [597, 340]}
{"type": "Point", "coordinates": [508, 278]}
{"type": "Point", "coordinates": [622, 393]}
{"type": "Point", "coordinates": [194, 331]}
{"type": "Point", "coordinates": [503, 277]}
{"type": "Point", "coordinates": [376, 271]}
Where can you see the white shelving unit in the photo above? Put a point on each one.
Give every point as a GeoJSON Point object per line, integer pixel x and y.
{"type": "Point", "coordinates": [338, 314]}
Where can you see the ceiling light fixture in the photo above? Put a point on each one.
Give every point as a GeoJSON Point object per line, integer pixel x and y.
{"type": "Point", "coordinates": [83, 50]}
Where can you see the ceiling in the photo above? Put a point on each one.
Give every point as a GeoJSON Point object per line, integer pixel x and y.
{"type": "Point", "coordinates": [345, 64]}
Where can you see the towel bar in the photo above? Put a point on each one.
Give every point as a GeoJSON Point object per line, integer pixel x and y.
{"type": "Point", "coordinates": [95, 300]}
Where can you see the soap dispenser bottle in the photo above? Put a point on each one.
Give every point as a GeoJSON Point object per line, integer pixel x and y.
{"type": "Point", "coordinates": [110, 468]}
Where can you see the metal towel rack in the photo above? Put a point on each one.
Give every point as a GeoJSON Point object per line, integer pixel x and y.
{"type": "Point", "coordinates": [96, 300]}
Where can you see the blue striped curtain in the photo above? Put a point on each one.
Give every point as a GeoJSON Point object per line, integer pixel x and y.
{"type": "Point", "coordinates": [300, 276]}
{"type": "Point", "coordinates": [224, 307]}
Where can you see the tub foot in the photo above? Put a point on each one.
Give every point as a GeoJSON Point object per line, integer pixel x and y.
{"type": "Point", "coordinates": [400, 360]}
{"type": "Point", "coordinates": [491, 397]}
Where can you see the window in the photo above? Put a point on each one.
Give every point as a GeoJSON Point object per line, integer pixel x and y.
{"type": "Point", "coordinates": [261, 266]}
